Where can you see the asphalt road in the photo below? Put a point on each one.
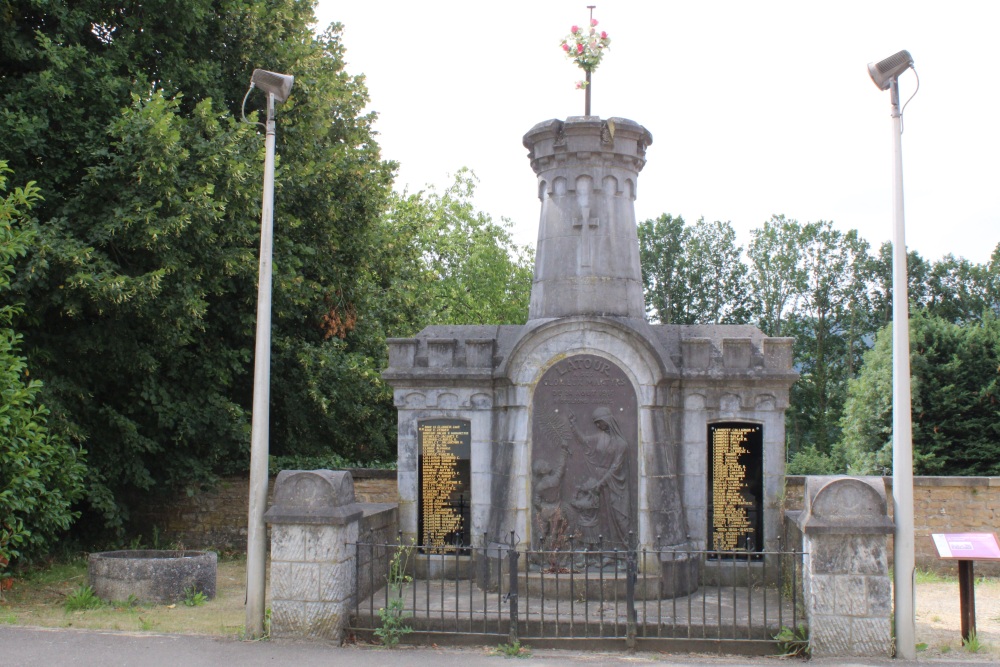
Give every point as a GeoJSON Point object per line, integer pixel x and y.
{"type": "Point", "coordinates": [31, 647]}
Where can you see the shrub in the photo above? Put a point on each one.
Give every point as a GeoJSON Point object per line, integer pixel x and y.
{"type": "Point", "coordinates": [41, 473]}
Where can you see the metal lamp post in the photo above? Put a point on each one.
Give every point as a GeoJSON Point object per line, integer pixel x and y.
{"type": "Point", "coordinates": [277, 86]}
{"type": "Point", "coordinates": [885, 74]}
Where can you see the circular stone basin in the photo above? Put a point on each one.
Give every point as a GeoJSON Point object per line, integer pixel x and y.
{"type": "Point", "coordinates": [152, 576]}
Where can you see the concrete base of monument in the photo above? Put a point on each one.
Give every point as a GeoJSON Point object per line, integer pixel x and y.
{"type": "Point", "coordinates": [442, 566]}
{"type": "Point", "coordinates": [679, 573]}
{"type": "Point", "coordinates": [737, 571]}
{"type": "Point", "coordinates": [599, 585]}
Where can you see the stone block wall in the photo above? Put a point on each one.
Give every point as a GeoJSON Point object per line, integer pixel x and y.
{"type": "Point", "coordinates": [216, 518]}
{"type": "Point", "coordinates": [941, 505]}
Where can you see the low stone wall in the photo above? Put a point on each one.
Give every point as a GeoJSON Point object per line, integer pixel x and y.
{"type": "Point", "coordinates": [379, 525]}
{"type": "Point", "coordinates": [940, 505]}
{"type": "Point", "coordinates": [217, 518]}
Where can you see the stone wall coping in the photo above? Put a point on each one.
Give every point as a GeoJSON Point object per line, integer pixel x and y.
{"type": "Point", "coordinates": [938, 480]}
{"type": "Point", "coordinates": [371, 509]}
{"type": "Point", "coordinates": [323, 516]}
{"type": "Point", "coordinates": [371, 473]}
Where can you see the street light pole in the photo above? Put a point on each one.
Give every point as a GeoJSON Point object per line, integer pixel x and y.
{"type": "Point", "coordinates": [277, 86]}
{"type": "Point", "coordinates": [903, 557]}
{"type": "Point", "coordinates": [256, 530]}
{"type": "Point", "coordinates": [885, 74]}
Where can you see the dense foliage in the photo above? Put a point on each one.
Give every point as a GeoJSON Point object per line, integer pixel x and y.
{"type": "Point", "coordinates": [955, 370]}
{"type": "Point", "coordinates": [142, 276]}
{"type": "Point", "coordinates": [41, 473]}
{"type": "Point", "coordinates": [827, 290]}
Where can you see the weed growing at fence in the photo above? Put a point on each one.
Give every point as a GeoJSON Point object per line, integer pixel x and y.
{"type": "Point", "coordinates": [392, 615]}
{"type": "Point", "coordinates": [512, 650]}
{"type": "Point", "coordinates": [793, 643]}
{"type": "Point", "coordinates": [83, 598]}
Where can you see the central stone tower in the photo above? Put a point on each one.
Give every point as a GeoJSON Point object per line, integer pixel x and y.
{"type": "Point", "coordinates": [587, 258]}
{"type": "Point", "coordinates": [588, 426]}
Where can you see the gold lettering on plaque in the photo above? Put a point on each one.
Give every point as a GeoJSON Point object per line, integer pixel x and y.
{"type": "Point", "coordinates": [440, 479]}
{"type": "Point", "coordinates": [730, 521]}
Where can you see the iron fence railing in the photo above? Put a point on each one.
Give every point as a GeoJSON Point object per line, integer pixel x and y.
{"type": "Point", "coordinates": [633, 594]}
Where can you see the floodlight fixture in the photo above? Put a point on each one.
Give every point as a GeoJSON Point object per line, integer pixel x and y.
{"type": "Point", "coordinates": [884, 71]}
{"type": "Point", "coordinates": [279, 85]}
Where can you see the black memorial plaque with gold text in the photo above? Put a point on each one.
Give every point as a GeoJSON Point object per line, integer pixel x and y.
{"type": "Point", "coordinates": [445, 486]}
{"type": "Point", "coordinates": [584, 456]}
{"type": "Point", "coordinates": [735, 486]}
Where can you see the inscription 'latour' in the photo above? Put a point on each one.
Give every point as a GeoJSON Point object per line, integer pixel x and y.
{"type": "Point", "coordinates": [586, 364]}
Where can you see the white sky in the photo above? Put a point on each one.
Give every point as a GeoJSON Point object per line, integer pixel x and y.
{"type": "Point", "coordinates": [755, 107]}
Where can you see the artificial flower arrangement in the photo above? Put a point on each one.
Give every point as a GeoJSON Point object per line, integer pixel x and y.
{"type": "Point", "coordinates": [586, 48]}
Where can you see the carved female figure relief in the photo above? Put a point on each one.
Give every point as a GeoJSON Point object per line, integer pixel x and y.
{"type": "Point", "coordinates": [607, 454]}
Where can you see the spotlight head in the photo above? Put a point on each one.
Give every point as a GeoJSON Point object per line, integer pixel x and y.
{"type": "Point", "coordinates": [886, 70]}
{"type": "Point", "coordinates": [279, 85]}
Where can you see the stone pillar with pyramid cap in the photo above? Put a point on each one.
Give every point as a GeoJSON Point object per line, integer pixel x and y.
{"type": "Point", "coordinates": [587, 258]}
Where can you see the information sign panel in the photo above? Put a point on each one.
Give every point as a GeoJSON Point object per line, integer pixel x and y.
{"type": "Point", "coordinates": [967, 546]}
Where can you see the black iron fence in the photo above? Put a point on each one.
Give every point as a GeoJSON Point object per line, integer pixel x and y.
{"type": "Point", "coordinates": [639, 595]}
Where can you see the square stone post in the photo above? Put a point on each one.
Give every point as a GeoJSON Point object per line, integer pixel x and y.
{"type": "Point", "coordinates": [845, 578]}
{"type": "Point", "coordinates": [314, 526]}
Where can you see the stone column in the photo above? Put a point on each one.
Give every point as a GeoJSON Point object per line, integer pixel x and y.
{"type": "Point", "coordinates": [845, 579]}
{"type": "Point", "coordinates": [314, 526]}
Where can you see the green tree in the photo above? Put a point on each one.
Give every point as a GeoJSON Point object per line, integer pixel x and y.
{"type": "Point", "coordinates": [955, 408]}
{"type": "Point", "coordinates": [462, 266]}
{"type": "Point", "coordinates": [778, 277]}
{"type": "Point", "coordinates": [692, 274]}
{"type": "Point", "coordinates": [828, 323]}
{"type": "Point", "coordinates": [41, 473]}
{"type": "Point", "coordinates": [142, 279]}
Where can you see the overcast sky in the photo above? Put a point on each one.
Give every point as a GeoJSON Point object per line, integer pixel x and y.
{"type": "Point", "coordinates": [755, 108]}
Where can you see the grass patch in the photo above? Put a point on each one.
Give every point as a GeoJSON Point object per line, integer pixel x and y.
{"type": "Point", "coordinates": [930, 577]}
{"type": "Point", "coordinates": [39, 597]}
{"type": "Point", "coordinates": [972, 644]}
{"type": "Point", "coordinates": [82, 599]}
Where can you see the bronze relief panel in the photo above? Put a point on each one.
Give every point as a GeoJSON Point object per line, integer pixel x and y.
{"type": "Point", "coordinates": [584, 456]}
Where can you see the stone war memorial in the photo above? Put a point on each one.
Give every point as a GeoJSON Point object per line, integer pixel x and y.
{"type": "Point", "coordinates": [588, 424]}
{"type": "Point", "coordinates": [590, 474]}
